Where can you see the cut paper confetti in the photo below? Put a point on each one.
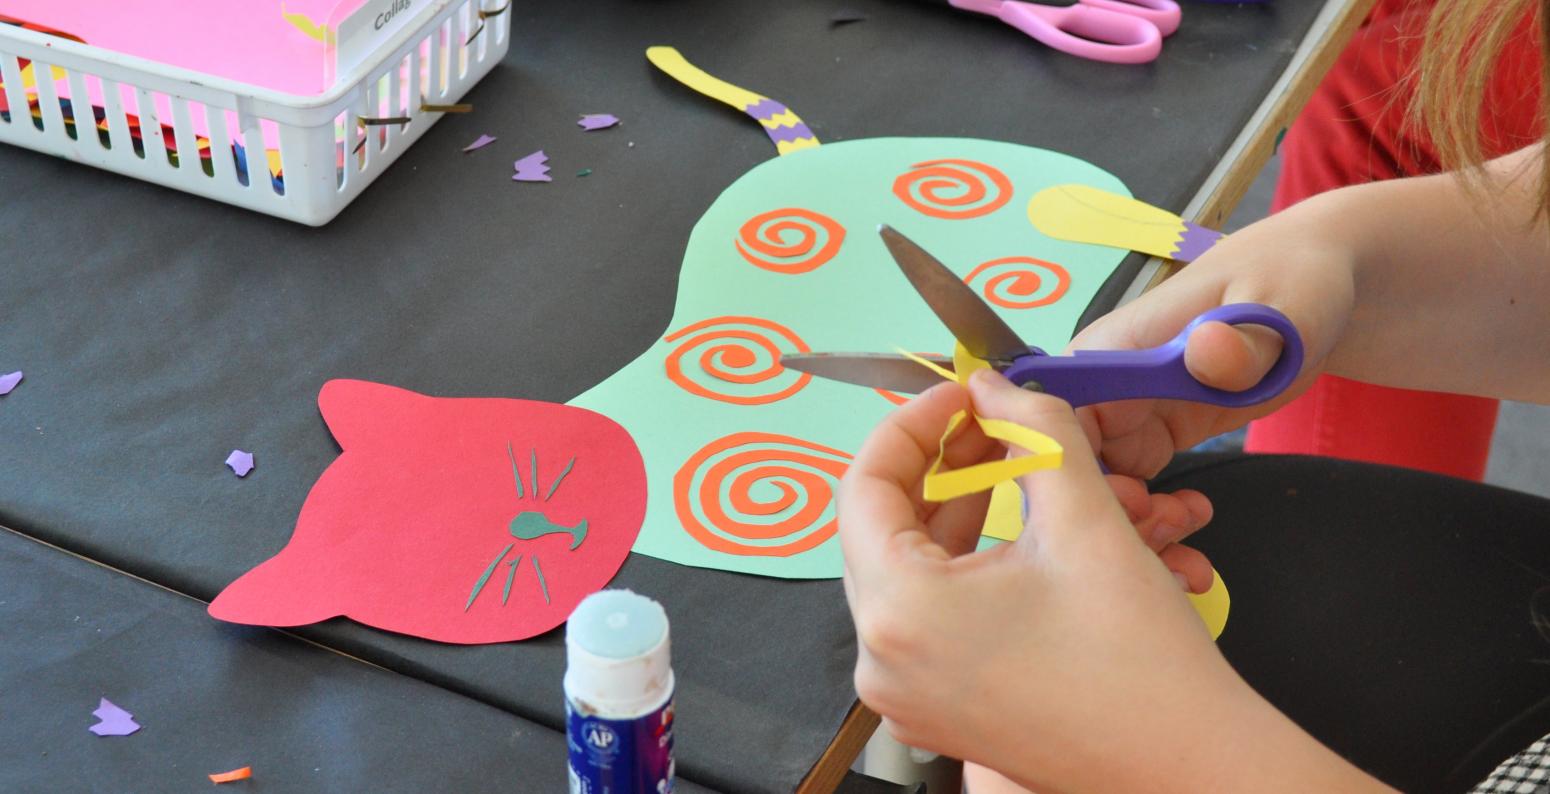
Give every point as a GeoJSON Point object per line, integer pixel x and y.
{"type": "Point", "coordinates": [597, 121]}
{"type": "Point", "coordinates": [8, 382]}
{"type": "Point", "coordinates": [112, 720]}
{"type": "Point", "coordinates": [743, 455]}
{"type": "Point", "coordinates": [233, 776]}
{"type": "Point", "coordinates": [785, 129]}
{"type": "Point", "coordinates": [240, 462]}
{"type": "Point", "coordinates": [1085, 214]}
{"type": "Point", "coordinates": [533, 168]}
{"type": "Point", "coordinates": [480, 142]}
{"type": "Point", "coordinates": [470, 520]}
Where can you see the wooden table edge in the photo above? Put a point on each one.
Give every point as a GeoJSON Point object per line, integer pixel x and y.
{"type": "Point", "coordinates": [1215, 201]}
{"type": "Point", "coordinates": [1254, 146]}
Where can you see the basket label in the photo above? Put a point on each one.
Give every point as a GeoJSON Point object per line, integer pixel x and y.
{"type": "Point", "coordinates": [368, 27]}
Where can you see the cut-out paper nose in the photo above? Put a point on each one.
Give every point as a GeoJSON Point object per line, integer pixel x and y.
{"type": "Point", "coordinates": [529, 525]}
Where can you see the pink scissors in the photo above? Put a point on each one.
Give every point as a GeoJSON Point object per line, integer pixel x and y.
{"type": "Point", "coordinates": [1116, 31]}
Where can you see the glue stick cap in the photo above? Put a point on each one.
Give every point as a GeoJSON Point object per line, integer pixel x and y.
{"type": "Point", "coordinates": [617, 660]}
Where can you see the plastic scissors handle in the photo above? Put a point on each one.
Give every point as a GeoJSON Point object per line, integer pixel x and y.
{"type": "Point", "coordinates": [1086, 31]}
{"type": "Point", "coordinates": [1096, 376]}
{"type": "Point", "coordinates": [1164, 14]}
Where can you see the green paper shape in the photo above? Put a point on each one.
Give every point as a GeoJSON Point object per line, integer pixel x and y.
{"type": "Point", "coordinates": [529, 525]}
{"type": "Point", "coordinates": [855, 301]}
{"type": "Point", "coordinates": [555, 486]}
{"type": "Point", "coordinates": [515, 475]}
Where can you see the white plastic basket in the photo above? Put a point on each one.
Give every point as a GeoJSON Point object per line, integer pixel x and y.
{"type": "Point", "coordinates": [326, 155]}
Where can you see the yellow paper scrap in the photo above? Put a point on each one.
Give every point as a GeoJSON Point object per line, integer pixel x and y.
{"type": "Point", "coordinates": [784, 128]}
{"type": "Point", "coordinates": [1213, 605]}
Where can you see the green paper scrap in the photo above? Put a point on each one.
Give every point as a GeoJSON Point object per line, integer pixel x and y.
{"type": "Point", "coordinates": [555, 486]}
{"type": "Point", "coordinates": [533, 457]}
{"type": "Point", "coordinates": [529, 525]}
{"type": "Point", "coordinates": [485, 577]}
{"type": "Point", "coordinates": [855, 301]}
{"type": "Point", "coordinates": [584, 172]}
{"type": "Point", "coordinates": [541, 583]}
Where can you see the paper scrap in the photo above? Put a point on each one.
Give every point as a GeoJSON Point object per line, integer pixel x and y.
{"type": "Point", "coordinates": [845, 16]}
{"type": "Point", "coordinates": [240, 462]}
{"type": "Point", "coordinates": [233, 776]}
{"type": "Point", "coordinates": [114, 721]}
{"type": "Point", "coordinates": [1085, 214]}
{"type": "Point", "coordinates": [782, 126]}
{"type": "Point", "coordinates": [480, 142]}
{"type": "Point", "coordinates": [533, 168]}
{"type": "Point", "coordinates": [8, 382]}
{"type": "Point", "coordinates": [584, 172]}
{"type": "Point", "coordinates": [418, 526]}
{"type": "Point", "coordinates": [597, 121]}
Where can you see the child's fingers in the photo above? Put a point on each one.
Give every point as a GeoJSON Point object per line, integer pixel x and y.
{"type": "Point", "coordinates": [879, 492]}
{"type": "Point", "coordinates": [1191, 564]}
{"type": "Point", "coordinates": [1231, 357]}
{"type": "Point", "coordinates": [1069, 499]}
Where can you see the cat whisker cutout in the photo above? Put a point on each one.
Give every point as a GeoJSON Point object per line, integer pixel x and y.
{"type": "Point", "coordinates": [515, 475]}
{"type": "Point", "coordinates": [485, 577]}
{"type": "Point", "coordinates": [555, 486]}
{"type": "Point", "coordinates": [511, 573]}
{"type": "Point", "coordinates": [541, 583]}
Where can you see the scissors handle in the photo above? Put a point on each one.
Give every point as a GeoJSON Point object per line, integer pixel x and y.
{"type": "Point", "coordinates": [1096, 376]}
{"type": "Point", "coordinates": [1086, 31]}
{"type": "Point", "coordinates": [1164, 14]}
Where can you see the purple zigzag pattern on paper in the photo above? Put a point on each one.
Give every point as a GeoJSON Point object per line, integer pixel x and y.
{"type": "Point", "coordinates": [766, 109]}
{"type": "Point", "coordinates": [1195, 241]}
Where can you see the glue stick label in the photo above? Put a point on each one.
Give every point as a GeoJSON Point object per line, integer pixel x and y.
{"type": "Point", "coordinates": [623, 756]}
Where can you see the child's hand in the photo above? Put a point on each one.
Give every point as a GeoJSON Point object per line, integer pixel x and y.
{"type": "Point", "coordinates": [1043, 647]}
{"type": "Point", "coordinates": [1296, 262]}
{"type": "Point", "coordinates": [1067, 659]}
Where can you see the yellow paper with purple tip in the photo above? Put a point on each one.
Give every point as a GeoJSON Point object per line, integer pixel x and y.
{"type": "Point", "coordinates": [1086, 214]}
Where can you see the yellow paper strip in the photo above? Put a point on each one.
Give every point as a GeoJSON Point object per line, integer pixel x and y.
{"type": "Point", "coordinates": [1084, 214]}
{"type": "Point", "coordinates": [784, 128]}
{"type": "Point", "coordinates": [1213, 605]}
{"type": "Point", "coordinates": [941, 486]}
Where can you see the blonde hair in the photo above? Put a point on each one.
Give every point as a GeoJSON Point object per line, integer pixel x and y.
{"type": "Point", "coordinates": [1463, 44]}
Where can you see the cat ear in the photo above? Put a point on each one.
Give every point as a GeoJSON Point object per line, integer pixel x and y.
{"type": "Point", "coordinates": [357, 411]}
{"type": "Point", "coordinates": [281, 591]}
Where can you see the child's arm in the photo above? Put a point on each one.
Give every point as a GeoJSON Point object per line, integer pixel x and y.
{"type": "Point", "coordinates": [1410, 283]}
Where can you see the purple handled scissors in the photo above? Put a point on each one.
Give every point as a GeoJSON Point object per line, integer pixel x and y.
{"type": "Point", "coordinates": [1116, 31]}
{"type": "Point", "coordinates": [1083, 378]}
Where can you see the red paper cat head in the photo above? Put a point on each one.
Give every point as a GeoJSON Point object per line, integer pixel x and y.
{"type": "Point", "coordinates": [458, 520]}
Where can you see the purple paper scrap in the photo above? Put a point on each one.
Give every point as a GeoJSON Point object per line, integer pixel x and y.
{"type": "Point", "coordinates": [480, 142]}
{"type": "Point", "coordinates": [597, 121]}
{"type": "Point", "coordinates": [533, 168]}
{"type": "Point", "coordinates": [240, 462]}
{"type": "Point", "coordinates": [9, 381]}
{"type": "Point", "coordinates": [114, 720]}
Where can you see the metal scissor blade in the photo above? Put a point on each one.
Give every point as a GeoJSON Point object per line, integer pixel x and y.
{"type": "Point", "coordinates": [874, 370]}
{"type": "Point", "coordinates": [973, 322]}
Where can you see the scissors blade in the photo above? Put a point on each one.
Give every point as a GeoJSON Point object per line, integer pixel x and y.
{"type": "Point", "coordinates": [974, 323]}
{"type": "Point", "coordinates": [875, 370]}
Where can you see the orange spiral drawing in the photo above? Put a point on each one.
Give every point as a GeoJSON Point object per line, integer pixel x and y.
{"type": "Point", "coordinates": [953, 189]}
{"type": "Point", "coordinates": [728, 352]}
{"type": "Point", "coordinates": [766, 240]}
{"type": "Point", "coordinates": [1014, 282]}
{"type": "Point", "coordinates": [804, 476]}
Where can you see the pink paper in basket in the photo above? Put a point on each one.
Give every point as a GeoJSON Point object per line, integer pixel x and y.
{"type": "Point", "coordinates": [245, 40]}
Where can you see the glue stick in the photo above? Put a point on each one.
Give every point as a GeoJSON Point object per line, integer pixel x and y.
{"type": "Point", "coordinates": [619, 696]}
